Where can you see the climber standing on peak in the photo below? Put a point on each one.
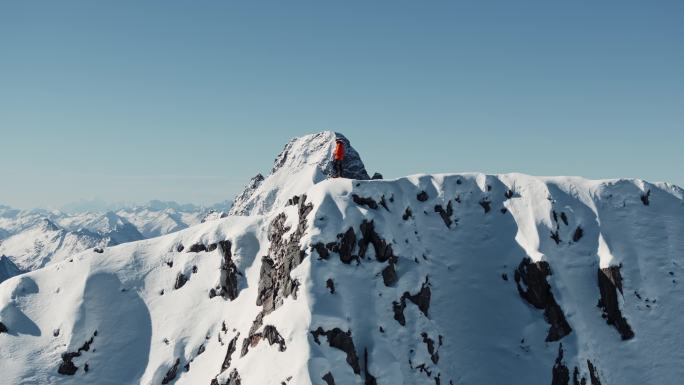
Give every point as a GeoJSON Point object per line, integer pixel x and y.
{"type": "Point", "coordinates": [338, 158]}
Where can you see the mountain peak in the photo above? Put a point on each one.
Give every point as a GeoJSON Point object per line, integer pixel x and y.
{"type": "Point", "coordinates": [310, 157]}
{"type": "Point", "coordinates": [317, 149]}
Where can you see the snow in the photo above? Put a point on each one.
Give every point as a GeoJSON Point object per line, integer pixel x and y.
{"type": "Point", "coordinates": [480, 316]}
{"type": "Point", "coordinates": [35, 238]}
{"type": "Point", "coordinates": [482, 330]}
{"type": "Point", "coordinates": [303, 162]}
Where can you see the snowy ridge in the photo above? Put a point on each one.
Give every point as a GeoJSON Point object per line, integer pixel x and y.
{"type": "Point", "coordinates": [428, 279]}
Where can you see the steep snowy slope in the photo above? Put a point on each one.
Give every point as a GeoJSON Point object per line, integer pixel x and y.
{"type": "Point", "coordinates": [7, 268]}
{"type": "Point", "coordinates": [430, 279]}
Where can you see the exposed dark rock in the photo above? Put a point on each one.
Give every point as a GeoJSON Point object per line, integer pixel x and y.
{"type": "Point", "coordinates": [363, 201]}
{"type": "Point", "coordinates": [537, 292]}
{"type": "Point", "coordinates": [322, 251]}
{"type": "Point", "coordinates": [197, 247]}
{"type": "Point", "coordinates": [556, 237]}
{"type": "Point", "coordinates": [181, 280]}
{"type": "Point", "coordinates": [369, 378]}
{"type": "Point", "coordinates": [383, 203]}
{"type": "Point", "coordinates": [504, 276]}
{"type": "Point", "coordinates": [171, 374]}
{"type": "Point", "coordinates": [67, 366]}
{"type": "Point", "coordinates": [346, 247]}
{"type": "Point", "coordinates": [229, 272]}
{"type": "Point", "coordinates": [407, 214]}
{"type": "Point", "coordinates": [424, 369]}
{"type": "Point", "coordinates": [486, 204]}
{"type": "Point", "coordinates": [271, 335]}
{"type": "Point", "coordinates": [234, 378]}
{"type": "Point", "coordinates": [578, 234]}
{"type": "Point", "coordinates": [593, 374]}
{"type": "Point", "coordinates": [383, 251]}
{"type": "Point", "coordinates": [508, 194]}
{"type": "Point", "coordinates": [398, 309]}
{"type": "Point", "coordinates": [330, 285]}
{"type": "Point", "coordinates": [275, 282]}
{"type": "Point", "coordinates": [377, 176]}
{"type": "Point", "coordinates": [340, 340]}
{"type": "Point", "coordinates": [328, 378]}
{"type": "Point", "coordinates": [98, 250]}
{"type": "Point", "coordinates": [576, 379]}
{"type": "Point", "coordinates": [293, 201]}
{"type": "Point", "coordinates": [232, 346]}
{"type": "Point", "coordinates": [430, 345]}
{"type": "Point", "coordinates": [180, 247]}
{"type": "Point", "coordinates": [389, 275]}
{"type": "Point", "coordinates": [3, 328]}
{"type": "Point", "coordinates": [420, 299]}
{"type": "Point", "coordinates": [212, 247]}
{"type": "Point", "coordinates": [564, 218]}
{"type": "Point", "coordinates": [560, 372]}
{"type": "Point", "coordinates": [445, 214]}
{"type": "Point", "coordinates": [610, 282]}
{"type": "Point", "coordinates": [645, 198]}
{"type": "Point", "coordinates": [422, 196]}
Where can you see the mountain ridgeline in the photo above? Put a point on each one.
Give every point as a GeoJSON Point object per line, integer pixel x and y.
{"type": "Point", "coordinates": [427, 279]}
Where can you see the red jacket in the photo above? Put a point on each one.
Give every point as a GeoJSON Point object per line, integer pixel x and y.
{"type": "Point", "coordinates": [339, 151]}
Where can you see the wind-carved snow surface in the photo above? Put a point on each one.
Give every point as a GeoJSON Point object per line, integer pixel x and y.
{"type": "Point", "coordinates": [429, 279]}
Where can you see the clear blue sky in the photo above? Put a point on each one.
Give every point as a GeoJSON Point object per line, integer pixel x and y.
{"type": "Point", "coordinates": [186, 100]}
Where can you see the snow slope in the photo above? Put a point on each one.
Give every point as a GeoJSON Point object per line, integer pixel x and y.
{"type": "Point", "coordinates": [7, 268]}
{"type": "Point", "coordinates": [428, 279]}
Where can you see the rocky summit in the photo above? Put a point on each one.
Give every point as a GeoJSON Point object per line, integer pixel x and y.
{"type": "Point", "coordinates": [445, 279]}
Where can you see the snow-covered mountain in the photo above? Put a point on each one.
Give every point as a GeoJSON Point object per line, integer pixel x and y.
{"type": "Point", "coordinates": [35, 238]}
{"type": "Point", "coordinates": [303, 162]}
{"type": "Point", "coordinates": [428, 279]}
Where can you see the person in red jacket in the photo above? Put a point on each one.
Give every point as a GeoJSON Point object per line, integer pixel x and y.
{"type": "Point", "coordinates": [338, 157]}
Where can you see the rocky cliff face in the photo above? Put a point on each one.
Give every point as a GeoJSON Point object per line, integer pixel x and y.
{"type": "Point", "coordinates": [428, 279]}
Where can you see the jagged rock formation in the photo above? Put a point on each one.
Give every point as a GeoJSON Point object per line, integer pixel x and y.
{"type": "Point", "coordinates": [610, 283]}
{"type": "Point", "coordinates": [327, 289]}
{"type": "Point", "coordinates": [531, 279]}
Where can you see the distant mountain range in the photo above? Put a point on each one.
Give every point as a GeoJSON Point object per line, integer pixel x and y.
{"type": "Point", "coordinates": [31, 239]}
